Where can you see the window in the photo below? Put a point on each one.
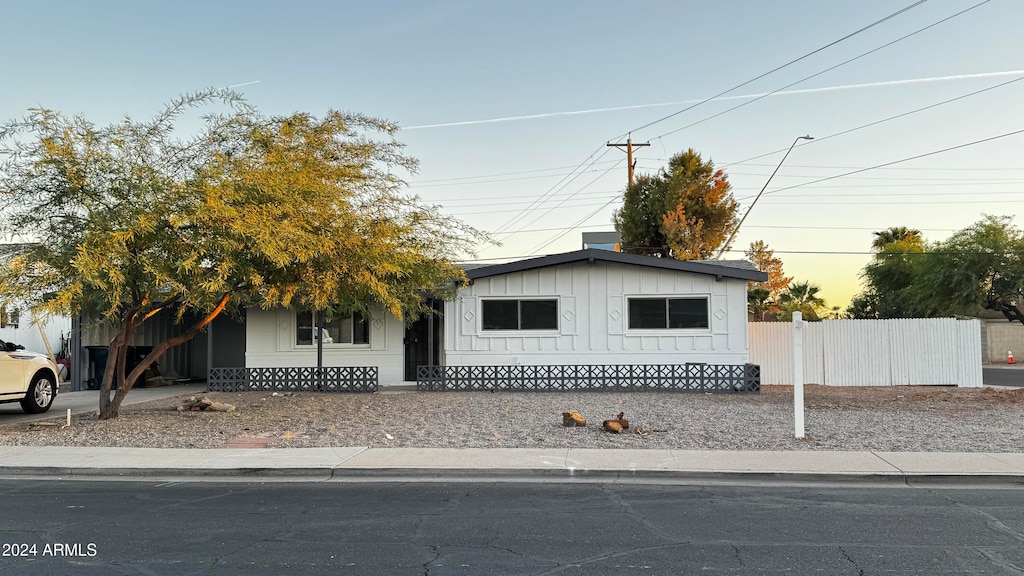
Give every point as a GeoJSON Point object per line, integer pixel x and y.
{"type": "Point", "coordinates": [668, 313]}
{"type": "Point", "coordinates": [520, 314]}
{"type": "Point", "coordinates": [9, 317]}
{"type": "Point", "coordinates": [352, 329]}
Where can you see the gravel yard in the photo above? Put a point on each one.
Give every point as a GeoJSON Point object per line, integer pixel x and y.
{"type": "Point", "coordinates": [932, 419]}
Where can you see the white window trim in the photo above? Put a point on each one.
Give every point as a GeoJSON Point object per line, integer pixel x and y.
{"type": "Point", "coordinates": [551, 333]}
{"type": "Point", "coordinates": [667, 331]}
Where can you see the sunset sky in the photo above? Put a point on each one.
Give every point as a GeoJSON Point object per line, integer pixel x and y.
{"type": "Point", "coordinates": [509, 104]}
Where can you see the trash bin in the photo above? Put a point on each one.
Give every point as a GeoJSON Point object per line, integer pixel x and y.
{"type": "Point", "coordinates": [98, 358]}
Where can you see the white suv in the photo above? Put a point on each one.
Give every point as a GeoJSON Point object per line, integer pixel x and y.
{"type": "Point", "coordinates": [26, 377]}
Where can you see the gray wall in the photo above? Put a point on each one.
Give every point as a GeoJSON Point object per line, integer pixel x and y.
{"type": "Point", "coordinates": [228, 343]}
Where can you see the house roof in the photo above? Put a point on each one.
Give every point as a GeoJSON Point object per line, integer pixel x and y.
{"type": "Point", "coordinates": [741, 270]}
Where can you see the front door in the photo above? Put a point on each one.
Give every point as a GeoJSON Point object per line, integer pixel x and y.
{"type": "Point", "coordinates": [418, 342]}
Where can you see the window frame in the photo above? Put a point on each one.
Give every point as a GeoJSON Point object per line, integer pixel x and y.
{"type": "Point", "coordinates": [519, 316]}
{"type": "Point", "coordinates": [338, 345]}
{"type": "Point", "coordinates": [667, 298]}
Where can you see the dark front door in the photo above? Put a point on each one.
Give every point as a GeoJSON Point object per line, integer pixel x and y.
{"type": "Point", "coordinates": [419, 346]}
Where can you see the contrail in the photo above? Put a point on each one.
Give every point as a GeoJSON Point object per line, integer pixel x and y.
{"type": "Point", "coordinates": [738, 97]}
{"type": "Point", "coordinates": [245, 83]}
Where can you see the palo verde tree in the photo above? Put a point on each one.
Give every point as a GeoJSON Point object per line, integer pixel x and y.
{"type": "Point", "coordinates": [686, 211]}
{"type": "Point", "coordinates": [127, 220]}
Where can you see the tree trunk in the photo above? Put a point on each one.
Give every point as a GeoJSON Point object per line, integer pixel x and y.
{"type": "Point", "coordinates": [109, 407]}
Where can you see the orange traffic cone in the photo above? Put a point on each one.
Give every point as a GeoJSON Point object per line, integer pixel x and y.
{"type": "Point", "coordinates": [1009, 357]}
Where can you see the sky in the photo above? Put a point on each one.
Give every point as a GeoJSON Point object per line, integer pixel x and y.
{"type": "Point", "coordinates": [509, 105]}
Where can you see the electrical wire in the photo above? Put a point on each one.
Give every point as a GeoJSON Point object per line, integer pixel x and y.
{"type": "Point", "coordinates": [816, 74]}
{"type": "Point", "coordinates": [900, 161]}
{"type": "Point", "coordinates": [787, 64]}
{"type": "Point", "coordinates": [877, 122]}
{"type": "Point", "coordinates": [559, 186]}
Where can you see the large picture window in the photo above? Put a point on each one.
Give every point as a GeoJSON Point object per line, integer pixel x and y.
{"type": "Point", "coordinates": [668, 313]}
{"type": "Point", "coordinates": [352, 329]}
{"type": "Point", "coordinates": [520, 314]}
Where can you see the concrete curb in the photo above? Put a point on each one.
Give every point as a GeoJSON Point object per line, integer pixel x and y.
{"type": "Point", "coordinates": [342, 474]}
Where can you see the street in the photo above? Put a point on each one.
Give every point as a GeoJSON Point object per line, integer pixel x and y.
{"type": "Point", "coordinates": [127, 527]}
{"type": "Point", "coordinates": [1003, 375]}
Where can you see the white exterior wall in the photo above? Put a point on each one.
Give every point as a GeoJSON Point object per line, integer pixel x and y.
{"type": "Point", "coordinates": [27, 334]}
{"type": "Point", "coordinates": [593, 328]}
{"type": "Point", "coordinates": [939, 351]}
{"type": "Point", "coordinates": [270, 343]}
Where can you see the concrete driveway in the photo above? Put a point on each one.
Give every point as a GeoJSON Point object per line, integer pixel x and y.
{"type": "Point", "coordinates": [89, 401]}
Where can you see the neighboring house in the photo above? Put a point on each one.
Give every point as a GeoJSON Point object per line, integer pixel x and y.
{"type": "Point", "coordinates": [588, 307]}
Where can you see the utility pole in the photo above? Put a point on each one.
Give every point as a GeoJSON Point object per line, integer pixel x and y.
{"type": "Point", "coordinates": [631, 164]}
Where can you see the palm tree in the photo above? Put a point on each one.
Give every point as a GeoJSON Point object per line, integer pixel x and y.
{"type": "Point", "coordinates": [802, 297]}
{"type": "Point", "coordinates": [802, 293]}
{"type": "Point", "coordinates": [893, 235]}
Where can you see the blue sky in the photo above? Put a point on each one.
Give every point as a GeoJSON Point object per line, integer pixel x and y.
{"type": "Point", "coordinates": [430, 63]}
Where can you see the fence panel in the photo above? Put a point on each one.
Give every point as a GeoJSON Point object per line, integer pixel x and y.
{"type": "Point", "coordinates": [771, 347]}
{"type": "Point", "coordinates": [916, 351]}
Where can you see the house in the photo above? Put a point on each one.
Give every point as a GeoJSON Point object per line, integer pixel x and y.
{"type": "Point", "coordinates": [587, 308]}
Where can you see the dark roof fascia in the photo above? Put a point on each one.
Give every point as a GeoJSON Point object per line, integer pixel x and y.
{"type": "Point", "coordinates": [596, 255]}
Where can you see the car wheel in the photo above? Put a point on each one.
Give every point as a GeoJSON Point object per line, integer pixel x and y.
{"type": "Point", "coordinates": [40, 394]}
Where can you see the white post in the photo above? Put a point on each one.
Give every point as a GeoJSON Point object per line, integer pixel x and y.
{"type": "Point", "coordinates": [798, 374]}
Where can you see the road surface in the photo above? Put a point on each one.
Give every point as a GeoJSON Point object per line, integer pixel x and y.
{"type": "Point", "coordinates": [417, 528]}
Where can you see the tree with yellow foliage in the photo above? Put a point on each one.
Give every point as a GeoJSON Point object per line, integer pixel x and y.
{"type": "Point", "coordinates": [130, 219]}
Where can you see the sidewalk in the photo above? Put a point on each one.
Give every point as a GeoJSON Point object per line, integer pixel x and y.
{"type": "Point", "coordinates": [357, 463]}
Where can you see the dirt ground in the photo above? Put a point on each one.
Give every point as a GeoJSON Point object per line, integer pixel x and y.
{"type": "Point", "coordinates": [922, 398]}
{"type": "Point", "coordinates": [906, 418]}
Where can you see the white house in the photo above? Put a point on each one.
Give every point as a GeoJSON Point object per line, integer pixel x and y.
{"type": "Point", "coordinates": [588, 307]}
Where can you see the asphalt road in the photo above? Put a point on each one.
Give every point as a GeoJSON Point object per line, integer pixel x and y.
{"type": "Point", "coordinates": [1003, 375]}
{"type": "Point", "coordinates": [417, 528]}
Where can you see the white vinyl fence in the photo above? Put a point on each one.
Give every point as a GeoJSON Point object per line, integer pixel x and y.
{"type": "Point", "coordinates": [937, 351]}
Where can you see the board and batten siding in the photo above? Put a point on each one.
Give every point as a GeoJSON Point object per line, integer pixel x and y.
{"type": "Point", "coordinates": [593, 318]}
{"type": "Point", "coordinates": [916, 351]}
{"type": "Point", "coordinates": [270, 343]}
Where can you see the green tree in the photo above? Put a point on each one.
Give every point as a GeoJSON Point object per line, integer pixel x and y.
{"type": "Point", "coordinates": [801, 297]}
{"type": "Point", "coordinates": [686, 211]}
{"type": "Point", "coordinates": [759, 302]}
{"type": "Point", "coordinates": [891, 287]}
{"type": "Point", "coordinates": [130, 219]}
{"type": "Point", "coordinates": [981, 266]}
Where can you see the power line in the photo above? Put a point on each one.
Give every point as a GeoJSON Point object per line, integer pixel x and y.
{"type": "Point", "coordinates": [553, 190]}
{"type": "Point", "coordinates": [771, 226]}
{"type": "Point", "coordinates": [561, 184]}
{"type": "Point", "coordinates": [834, 177]}
{"type": "Point", "coordinates": [877, 122]}
{"type": "Point", "coordinates": [902, 203]}
{"type": "Point", "coordinates": [827, 166]}
{"type": "Point", "coordinates": [791, 62]}
{"type": "Point", "coordinates": [578, 222]}
{"type": "Point", "coordinates": [520, 172]}
{"type": "Point", "coordinates": [907, 159]}
{"type": "Point", "coordinates": [829, 69]}
{"type": "Point", "coordinates": [570, 197]}
{"type": "Point", "coordinates": [806, 252]}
